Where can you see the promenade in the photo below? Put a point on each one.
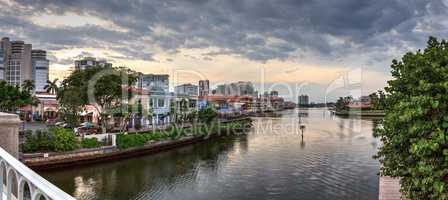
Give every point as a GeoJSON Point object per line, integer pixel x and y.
{"type": "Point", "coordinates": [389, 188]}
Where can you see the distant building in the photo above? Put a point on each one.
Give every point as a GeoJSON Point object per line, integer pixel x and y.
{"type": "Point", "coordinates": [2, 60]}
{"type": "Point", "coordinates": [158, 83]}
{"type": "Point", "coordinates": [240, 88]}
{"type": "Point", "coordinates": [16, 61]}
{"type": "Point", "coordinates": [90, 62]}
{"type": "Point", "coordinates": [40, 65]}
{"type": "Point", "coordinates": [222, 90]}
{"type": "Point", "coordinates": [204, 87]}
{"type": "Point", "coordinates": [272, 93]}
{"type": "Point", "coordinates": [186, 89]}
{"type": "Point", "coordinates": [304, 100]}
{"type": "Point", "coordinates": [362, 103]}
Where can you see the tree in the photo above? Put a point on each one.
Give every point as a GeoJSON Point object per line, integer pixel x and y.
{"type": "Point", "coordinates": [12, 98]}
{"type": "Point", "coordinates": [126, 112]}
{"type": "Point", "coordinates": [342, 103]}
{"type": "Point", "coordinates": [28, 85]}
{"type": "Point", "coordinates": [414, 131]}
{"type": "Point", "coordinates": [207, 115]}
{"type": "Point", "coordinates": [101, 87]}
{"type": "Point", "coordinates": [52, 87]}
{"type": "Point", "coordinates": [378, 100]}
{"type": "Point", "coordinates": [183, 108]}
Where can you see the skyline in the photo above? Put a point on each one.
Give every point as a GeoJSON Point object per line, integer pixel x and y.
{"type": "Point", "coordinates": [290, 42]}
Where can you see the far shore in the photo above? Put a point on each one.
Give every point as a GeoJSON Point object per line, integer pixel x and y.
{"type": "Point", "coordinates": [361, 113]}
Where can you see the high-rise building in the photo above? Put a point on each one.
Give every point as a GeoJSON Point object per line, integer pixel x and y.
{"type": "Point", "coordinates": [272, 93]}
{"type": "Point", "coordinates": [16, 61]}
{"type": "Point", "coordinates": [40, 65]}
{"type": "Point", "coordinates": [240, 88]}
{"type": "Point", "coordinates": [204, 87]}
{"type": "Point", "coordinates": [304, 100]}
{"type": "Point", "coordinates": [186, 89]}
{"type": "Point", "coordinates": [90, 62]}
{"type": "Point", "coordinates": [2, 60]}
{"type": "Point", "coordinates": [155, 82]}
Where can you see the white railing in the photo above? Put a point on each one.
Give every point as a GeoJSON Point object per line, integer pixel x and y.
{"type": "Point", "coordinates": [20, 182]}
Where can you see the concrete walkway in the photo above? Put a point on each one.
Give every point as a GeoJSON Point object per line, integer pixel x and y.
{"type": "Point", "coordinates": [389, 188]}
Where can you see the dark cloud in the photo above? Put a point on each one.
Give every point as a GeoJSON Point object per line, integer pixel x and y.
{"type": "Point", "coordinates": [255, 29]}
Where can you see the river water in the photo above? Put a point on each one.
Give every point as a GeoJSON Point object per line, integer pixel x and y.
{"type": "Point", "coordinates": [333, 160]}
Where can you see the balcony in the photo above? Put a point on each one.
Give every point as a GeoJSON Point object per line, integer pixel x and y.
{"type": "Point", "coordinates": [20, 182]}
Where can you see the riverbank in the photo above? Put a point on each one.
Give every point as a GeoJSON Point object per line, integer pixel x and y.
{"type": "Point", "coordinates": [53, 160]}
{"type": "Point", "coordinates": [361, 113]}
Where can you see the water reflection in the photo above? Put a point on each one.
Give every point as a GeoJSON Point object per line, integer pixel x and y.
{"type": "Point", "coordinates": [314, 156]}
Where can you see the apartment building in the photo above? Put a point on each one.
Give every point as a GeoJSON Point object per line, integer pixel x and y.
{"type": "Point", "coordinates": [40, 71]}
{"type": "Point", "coordinates": [90, 62]}
{"type": "Point", "coordinates": [16, 65]}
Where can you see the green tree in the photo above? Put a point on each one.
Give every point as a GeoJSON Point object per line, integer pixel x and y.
{"type": "Point", "coordinates": [70, 105]}
{"type": "Point", "coordinates": [414, 131]}
{"type": "Point", "coordinates": [52, 87]}
{"type": "Point", "coordinates": [12, 98]}
{"type": "Point", "coordinates": [378, 100]}
{"type": "Point", "coordinates": [28, 85]}
{"type": "Point", "coordinates": [64, 139]}
{"type": "Point", "coordinates": [342, 103]}
{"type": "Point", "coordinates": [105, 85]}
{"type": "Point", "coordinates": [207, 115]}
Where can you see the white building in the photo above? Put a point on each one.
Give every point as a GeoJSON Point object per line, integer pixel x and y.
{"type": "Point", "coordinates": [89, 62]}
{"type": "Point", "coordinates": [154, 97]}
{"type": "Point", "coordinates": [160, 106]}
{"type": "Point", "coordinates": [186, 89]}
{"type": "Point", "coordinates": [155, 82]}
{"type": "Point", "coordinates": [40, 69]}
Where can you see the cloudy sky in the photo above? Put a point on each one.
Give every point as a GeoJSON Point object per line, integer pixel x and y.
{"type": "Point", "coordinates": [315, 44]}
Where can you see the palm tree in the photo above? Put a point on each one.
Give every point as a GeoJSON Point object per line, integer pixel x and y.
{"type": "Point", "coordinates": [52, 87]}
{"type": "Point", "coordinates": [28, 85]}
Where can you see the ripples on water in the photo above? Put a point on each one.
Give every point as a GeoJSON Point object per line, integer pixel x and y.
{"type": "Point", "coordinates": [332, 161]}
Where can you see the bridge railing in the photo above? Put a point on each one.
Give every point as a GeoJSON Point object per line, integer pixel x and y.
{"type": "Point", "coordinates": [20, 182]}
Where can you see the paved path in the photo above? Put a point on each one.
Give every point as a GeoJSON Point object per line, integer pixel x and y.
{"type": "Point", "coordinates": [389, 188]}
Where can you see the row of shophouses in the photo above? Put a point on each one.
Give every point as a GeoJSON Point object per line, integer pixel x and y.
{"type": "Point", "coordinates": [160, 107]}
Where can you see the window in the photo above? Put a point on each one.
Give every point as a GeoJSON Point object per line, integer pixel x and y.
{"type": "Point", "coordinates": [161, 103]}
{"type": "Point", "coordinates": [151, 102]}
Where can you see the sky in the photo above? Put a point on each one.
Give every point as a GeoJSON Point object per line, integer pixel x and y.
{"type": "Point", "coordinates": [322, 48]}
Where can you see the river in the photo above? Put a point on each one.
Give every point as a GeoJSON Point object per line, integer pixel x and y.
{"type": "Point", "coordinates": [333, 160]}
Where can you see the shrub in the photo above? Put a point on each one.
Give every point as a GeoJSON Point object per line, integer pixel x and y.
{"type": "Point", "coordinates": [64, 139]}
{"type": "Point", "coordinates": [41, 140]}
{"type": "Point", "coordinates": [55, 139]}
{"type": "Point", "coordinates": [125, 141]}
{"type": "Point", "coordinates": [138, 126]}
{"type": "Point", "coordinates": [90, 143]}
{"type": "Point", "coordinates": [131, 140]}
{"type": "Point", "coordinates": [207, 115]}
{"type": "Point", "coordinates": [175, 132]}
